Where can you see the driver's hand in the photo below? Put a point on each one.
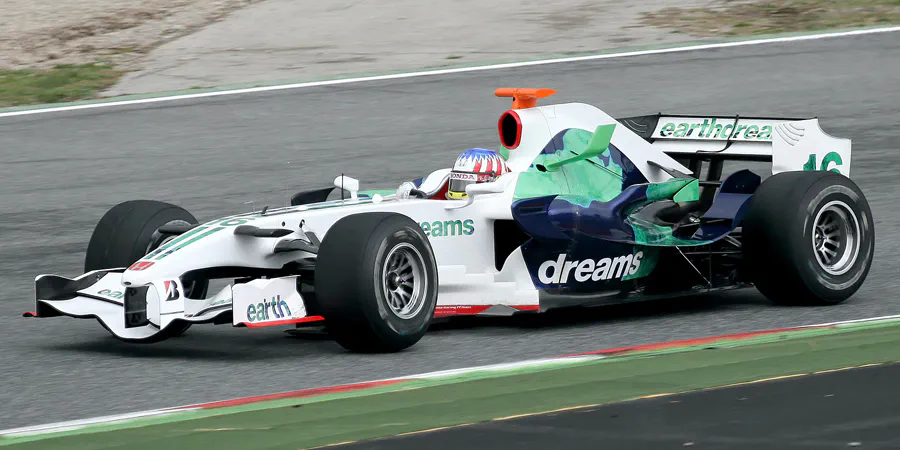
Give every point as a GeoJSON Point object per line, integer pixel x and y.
{"type": "Point", "coordinates": [404, 190]}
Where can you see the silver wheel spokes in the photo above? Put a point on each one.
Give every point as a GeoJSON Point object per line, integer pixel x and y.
{"type": "Point", "coordinates": [403, 279]}
{"type": "Point", "coordinates": [836, 238]}
{"type": "Point", "coordinates": [829, 238]}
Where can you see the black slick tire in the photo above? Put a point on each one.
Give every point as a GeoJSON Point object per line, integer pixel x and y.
{"type": "Point", "coordinates": [127, 232]}
{"type": "Point", "coordinates": [353, 269]}
{"type": "Point", "coordinates": [780, 238]}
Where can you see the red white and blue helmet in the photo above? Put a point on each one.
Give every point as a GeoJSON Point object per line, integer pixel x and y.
{"type": "Point", "coordinates": [475, 165]}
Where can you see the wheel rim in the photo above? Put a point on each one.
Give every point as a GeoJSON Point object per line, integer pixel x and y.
{"type": "Point", "coordinates": [836, 238]}
{"type": "Point", "coordinates": [403, 281]}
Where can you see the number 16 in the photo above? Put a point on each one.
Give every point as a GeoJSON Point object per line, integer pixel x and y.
{"type": "Point", "coordinates": [831, 157]}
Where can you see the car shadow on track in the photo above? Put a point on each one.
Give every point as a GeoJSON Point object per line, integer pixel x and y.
{"type": "Point", "coordinates": [223, 343]}
{"type": "Point", "coordinates": [212, 345]}
{"type": "Point", "coordinates": [574, 316]}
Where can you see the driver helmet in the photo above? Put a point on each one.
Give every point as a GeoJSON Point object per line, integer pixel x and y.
{"type": "Point", "coordinates": [475, 165]}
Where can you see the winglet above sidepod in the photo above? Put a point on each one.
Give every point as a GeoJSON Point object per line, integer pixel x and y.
{"type": "Point", "coordinates": [598, 144]}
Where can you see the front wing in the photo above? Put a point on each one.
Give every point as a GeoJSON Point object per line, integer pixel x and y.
{"type": "Point", "coordinates": [141, 313]}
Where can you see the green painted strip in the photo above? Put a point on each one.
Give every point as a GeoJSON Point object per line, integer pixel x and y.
{"type": "Point", "coordinates": [188, 242]}
{"type": "Point", "coordinates": [265, 405]}
{"type": "Point", "coordinates": [174, 241]}
{"type": "Point", "coordinates": [418, 408]}
{"type": "Point", "coordinates": [743, 342]}
{"type": "Point", "coordinates": [463, 379]}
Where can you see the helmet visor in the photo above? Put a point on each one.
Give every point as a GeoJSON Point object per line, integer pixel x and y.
{"type": "Point", "coordinates": [459, 185]}
{"type": "Point", "coordinates": [459, 180]}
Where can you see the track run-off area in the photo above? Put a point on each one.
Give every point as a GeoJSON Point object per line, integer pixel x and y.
{"type": "Point", "coordinates": [61, 170]}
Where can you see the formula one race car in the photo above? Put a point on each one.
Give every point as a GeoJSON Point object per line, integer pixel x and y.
{"type": "Point", "coordinates": [575, 208]}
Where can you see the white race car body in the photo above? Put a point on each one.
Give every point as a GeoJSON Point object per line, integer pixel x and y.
{"type": "Point", "coordinates": [137, 302]}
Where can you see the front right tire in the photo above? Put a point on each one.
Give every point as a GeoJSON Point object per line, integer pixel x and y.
{"type": "Point", "coordinates": [376, 282]}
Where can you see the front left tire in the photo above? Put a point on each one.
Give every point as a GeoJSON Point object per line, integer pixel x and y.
{"type": "Point", "coordinates": [130, 230]}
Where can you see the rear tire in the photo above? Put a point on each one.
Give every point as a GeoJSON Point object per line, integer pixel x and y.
{"type": "Point", "coordinates": [128, 231]}
{"type": "Point", "coordinates": [371, 300]}
{"type": "Point", "coordinates": [808, 238]}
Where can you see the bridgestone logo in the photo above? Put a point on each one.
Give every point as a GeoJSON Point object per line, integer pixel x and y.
{"type": "Point", "coordinates": [559, 271]}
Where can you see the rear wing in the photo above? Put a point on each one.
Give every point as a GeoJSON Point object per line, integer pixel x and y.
{"type": "Point", "coordinates": [790, 144]}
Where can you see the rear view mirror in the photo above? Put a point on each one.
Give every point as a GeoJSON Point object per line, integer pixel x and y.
{"type": "Point", "coordinates": [348, 184]}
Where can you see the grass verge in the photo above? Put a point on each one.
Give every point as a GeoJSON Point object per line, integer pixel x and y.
{"type": "Point", "coordinates": [755, 17]}
{"type": "Point", "coordinates": [60, 84]}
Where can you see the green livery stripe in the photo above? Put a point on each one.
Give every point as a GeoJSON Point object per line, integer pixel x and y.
{"type": "Point", "coordinates": [336, 204]}
{"type": "Point", "coordinates": [174, 242]}
{"type": "Point", "coordinates": [188, 242]}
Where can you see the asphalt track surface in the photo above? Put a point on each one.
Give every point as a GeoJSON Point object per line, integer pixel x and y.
{"type": "Point", "coordinates": [61, 171]}
{"type": "Point", "coordinates": [835, 410]}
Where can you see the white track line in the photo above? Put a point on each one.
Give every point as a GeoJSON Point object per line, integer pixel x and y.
{"type": "Point", "coordinates": [78, 424]}
{"type": "Point", "coordinates": [847, 322]}
{"type": "Point", "coordinates": [687, 48]}
{"type": "Point", "coordinates": [501, 367]}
